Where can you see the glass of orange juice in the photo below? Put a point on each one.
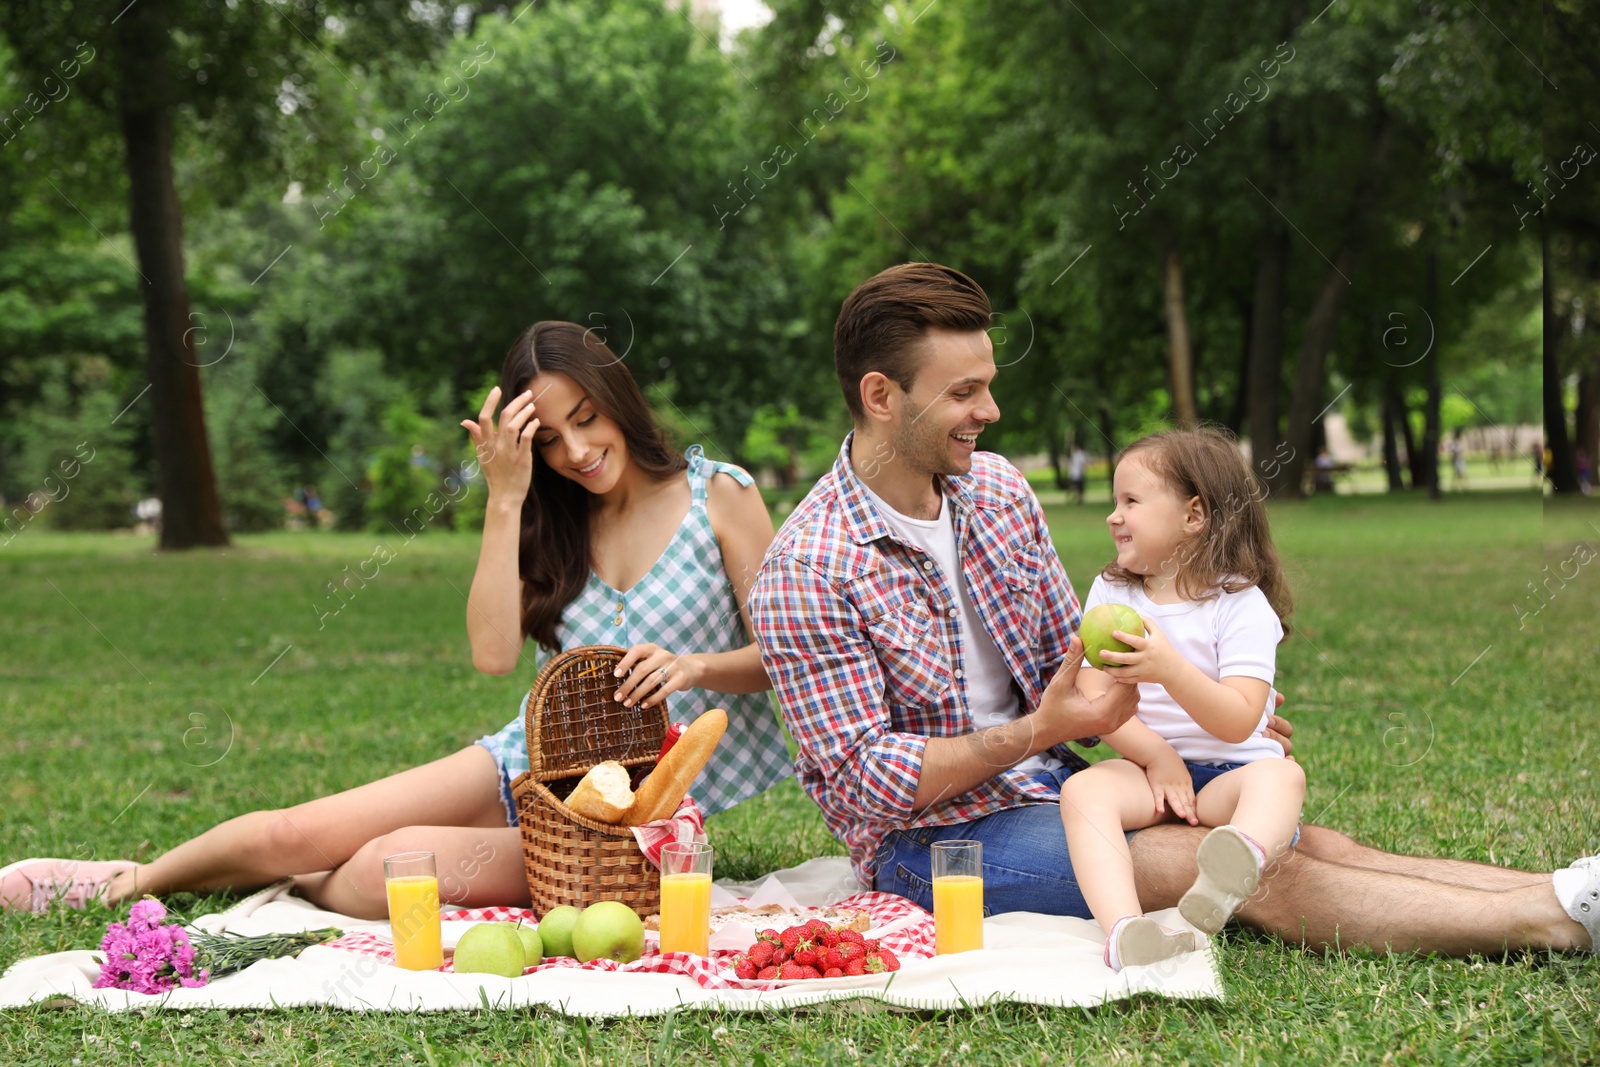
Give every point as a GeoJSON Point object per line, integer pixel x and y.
{"type": "Point", "coordinates": [686, 897]}
{"type": "Point", "coordinates": [957, 896]}
{"type": "Point", "coordinates": [413, 887]}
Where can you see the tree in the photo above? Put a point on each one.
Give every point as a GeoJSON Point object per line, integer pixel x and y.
{"type": "Point", "coordinates": [233, 69]}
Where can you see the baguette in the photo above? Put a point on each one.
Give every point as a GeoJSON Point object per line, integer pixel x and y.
{"type": "Point", "coordinates": [604, 794]}
{"type": "Point", "coordinates": [659, 795]}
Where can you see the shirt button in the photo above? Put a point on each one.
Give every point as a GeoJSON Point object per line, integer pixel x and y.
{"type": "Point", "coordinates": [927, 564]}
{"type": "Point", "coordinates": [960, 673]}
{"type": "Point", "coordinates": [954, 612]}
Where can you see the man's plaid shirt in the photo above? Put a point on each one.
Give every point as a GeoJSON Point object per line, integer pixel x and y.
{"type": "Point", "coordinates": [860, 634]}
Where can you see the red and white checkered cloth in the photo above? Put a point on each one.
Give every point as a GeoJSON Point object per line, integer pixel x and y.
{"type": "Point", "coordinates": [687, 824]}
{"type": "Point", "coordinates": [912, 940]}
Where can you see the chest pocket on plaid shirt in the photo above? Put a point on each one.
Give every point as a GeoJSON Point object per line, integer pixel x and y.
{"type": "Point", "coordinates": [1024, 571]}
{"type": "Point", "coordinates": [915, 667]}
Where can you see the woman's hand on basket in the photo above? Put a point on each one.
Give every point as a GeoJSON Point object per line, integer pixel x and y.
{"type": "Point", "coordinates": [651, 673]}
{"type": "Point", "coordinates": [505, 453]}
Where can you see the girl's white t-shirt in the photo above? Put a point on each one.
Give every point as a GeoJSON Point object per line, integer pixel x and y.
{"type": "Point", "coordinates": [1231, 635]}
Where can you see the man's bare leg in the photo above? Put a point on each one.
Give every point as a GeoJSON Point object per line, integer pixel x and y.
{"type": "Point", "coordinates": [1334, 847]}
{"type": "Point", "coordinates": [1328, 906]}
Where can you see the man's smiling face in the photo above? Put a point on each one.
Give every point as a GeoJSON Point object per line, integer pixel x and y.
{"type": "Point", "coordinates": [949, 403]}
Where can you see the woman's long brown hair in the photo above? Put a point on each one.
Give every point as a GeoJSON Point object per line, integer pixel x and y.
{"type": "Point", "coordinates": [1234, 549]}
{"type": "Point", "coordinates": [553, 554]}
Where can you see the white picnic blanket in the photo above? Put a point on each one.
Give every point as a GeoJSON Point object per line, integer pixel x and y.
{"type": "Point", "coordinates": [1038, 959]}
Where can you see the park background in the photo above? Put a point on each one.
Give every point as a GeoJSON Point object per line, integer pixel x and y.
{"type": "Point", "coordinates": [253, 248]}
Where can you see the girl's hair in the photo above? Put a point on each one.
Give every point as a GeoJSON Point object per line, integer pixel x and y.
{"type": "Point", "coordinates": [1234, 549]}
{"type": "Point", "coordinates": [553, 553]}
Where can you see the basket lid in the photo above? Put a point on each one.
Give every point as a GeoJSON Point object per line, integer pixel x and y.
{"type": "Point", "coordinates": [574, 721]}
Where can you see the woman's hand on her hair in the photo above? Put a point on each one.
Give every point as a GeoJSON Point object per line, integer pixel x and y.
{"type": "Point", "coordinates": [505, 452]}
{"type": "Point", "coordinates": [651, 673]}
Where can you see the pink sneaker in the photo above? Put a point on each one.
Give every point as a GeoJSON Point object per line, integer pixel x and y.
{"type": "Point", "coordinates": [34, 885]}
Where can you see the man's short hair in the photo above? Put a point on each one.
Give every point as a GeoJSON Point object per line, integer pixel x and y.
{"type": "Point", "coordinates": [884, 320]}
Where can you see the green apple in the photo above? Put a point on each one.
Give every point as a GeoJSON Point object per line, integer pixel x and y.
{"type": "Point", "coordinates": [608, 930]}
{"type": "Point", "coordinates": [555, 930]}
{"type": "Point", "coordinates": [1096, 629]}
{"type": "Point", "coordinates": [491, 948]}
{"type": "Point", "coordinates": [532, 946]}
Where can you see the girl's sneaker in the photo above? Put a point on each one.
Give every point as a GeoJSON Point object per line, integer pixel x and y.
{"type": "Point", "coordinates": [1230, 869]}
{"type": "Point", "coordinates": [35, 885]}
{"type": "Point", "coordinates": [1136, 941]}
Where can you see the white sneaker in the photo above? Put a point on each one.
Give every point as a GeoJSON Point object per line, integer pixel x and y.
{"type": "Point", "coordinates": [1578, 889]}
{"type": "Point", "coordinates": [1136, 941]}
{"type": "Point", "coordinates": [1229, 873]}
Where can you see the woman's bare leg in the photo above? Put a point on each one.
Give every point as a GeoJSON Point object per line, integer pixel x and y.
{"type": "Point", "coordinates": [462, 789]}
{"type": "Point", "coordinates": [477, 866]}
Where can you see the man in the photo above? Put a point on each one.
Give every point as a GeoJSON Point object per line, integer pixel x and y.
{"type": "Point", "coordinates": [921, 636]}
{"type": "Point", "coordinates": [1077, 472]}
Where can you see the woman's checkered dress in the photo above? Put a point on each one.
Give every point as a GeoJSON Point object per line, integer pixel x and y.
{"type": "Point", "coordinates": [684, 604]}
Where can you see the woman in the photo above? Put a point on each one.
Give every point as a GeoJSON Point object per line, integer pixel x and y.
{"type": "Point", "coordinates": [595, 533]}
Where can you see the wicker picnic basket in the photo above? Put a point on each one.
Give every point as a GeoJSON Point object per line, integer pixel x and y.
{"type": "Point", "coordinates": [572, 724]}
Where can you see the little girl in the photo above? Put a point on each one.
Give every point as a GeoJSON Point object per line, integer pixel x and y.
{"type": "Point", "coordinates": [1195, 559]}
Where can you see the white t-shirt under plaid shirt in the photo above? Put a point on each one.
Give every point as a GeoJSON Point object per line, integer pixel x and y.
{"type": "Point", "coordinates": [685, 603]}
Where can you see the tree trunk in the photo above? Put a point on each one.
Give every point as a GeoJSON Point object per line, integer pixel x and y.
{"type": "Point", "coordinates": [1393, 417]}
{"type": "Point", "coordinates": [1180, 351]}
{"type": "Point", "coordinates": [190, 511]}
{"type": "Point", "coordinates": [1563, 472]}
{"type": "Point", "coordinates": [1311, 375]}
{"type": "Point", "coordinates": [1240, 408]}
{"type": "Point", "coordinates": [1052, 434]}
{"type": "Point", "coordinates": [1586, 426]}
{"type": "Point", "coordinates": [1266, 341]}
{"type": "Point", "coordinates": [1311, 367]}
{"type": "Point", "coordinates": [1431, 431]}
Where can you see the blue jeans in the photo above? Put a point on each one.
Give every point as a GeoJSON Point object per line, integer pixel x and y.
{"type": "Point", "coordinates": [1026, 866]}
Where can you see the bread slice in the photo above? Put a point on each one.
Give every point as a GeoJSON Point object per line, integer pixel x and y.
{"type": "Point", "coordinates": [604, 794]}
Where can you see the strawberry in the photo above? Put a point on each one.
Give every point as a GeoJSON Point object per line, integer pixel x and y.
{"type": "Point", "coordinates": [849, 951]}
{"type": "Point", "coordinates": [833, 972]}
{"type": "Point", "coordinates": [791, 938]}
{"type": "Point", "coordinates": [833, 959]}
{"type": "Point", "coordinates": [805, 953]}
{"type": "Point", "coordinates": [882, 960]}
{"type": "Point", "coordinates": [746, 969]}
{"type": "Point", "coordinates": [766, 974]}
{"type": "Point", "coordinates": [769, 934]}
{"type": "Point", "coordinates": [829, 938]}
{"type": "Point", "coordinates": [810, 972]}
{"type": "Point", "coordinates": [870, 944]}
{"type": "Point", "coordinates": [854, 937]}
{"type": "Point", "coordinates": [855, 967]}
{"type": "Point", "coordinates": [818, 927]}
{"type": "Point", "coordinates": [761, 953]}
{"type": "Point", "coordinates": [791, 970]}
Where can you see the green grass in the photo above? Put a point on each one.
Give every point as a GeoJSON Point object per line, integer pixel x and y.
{"type": "Point", "coordinates": [1428, 720]}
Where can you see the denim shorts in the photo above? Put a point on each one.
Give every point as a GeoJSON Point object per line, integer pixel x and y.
{"type": "Point", "coordinates": [1025, 862]}
{"type": "Point", "coordinates": [1203, 774]}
